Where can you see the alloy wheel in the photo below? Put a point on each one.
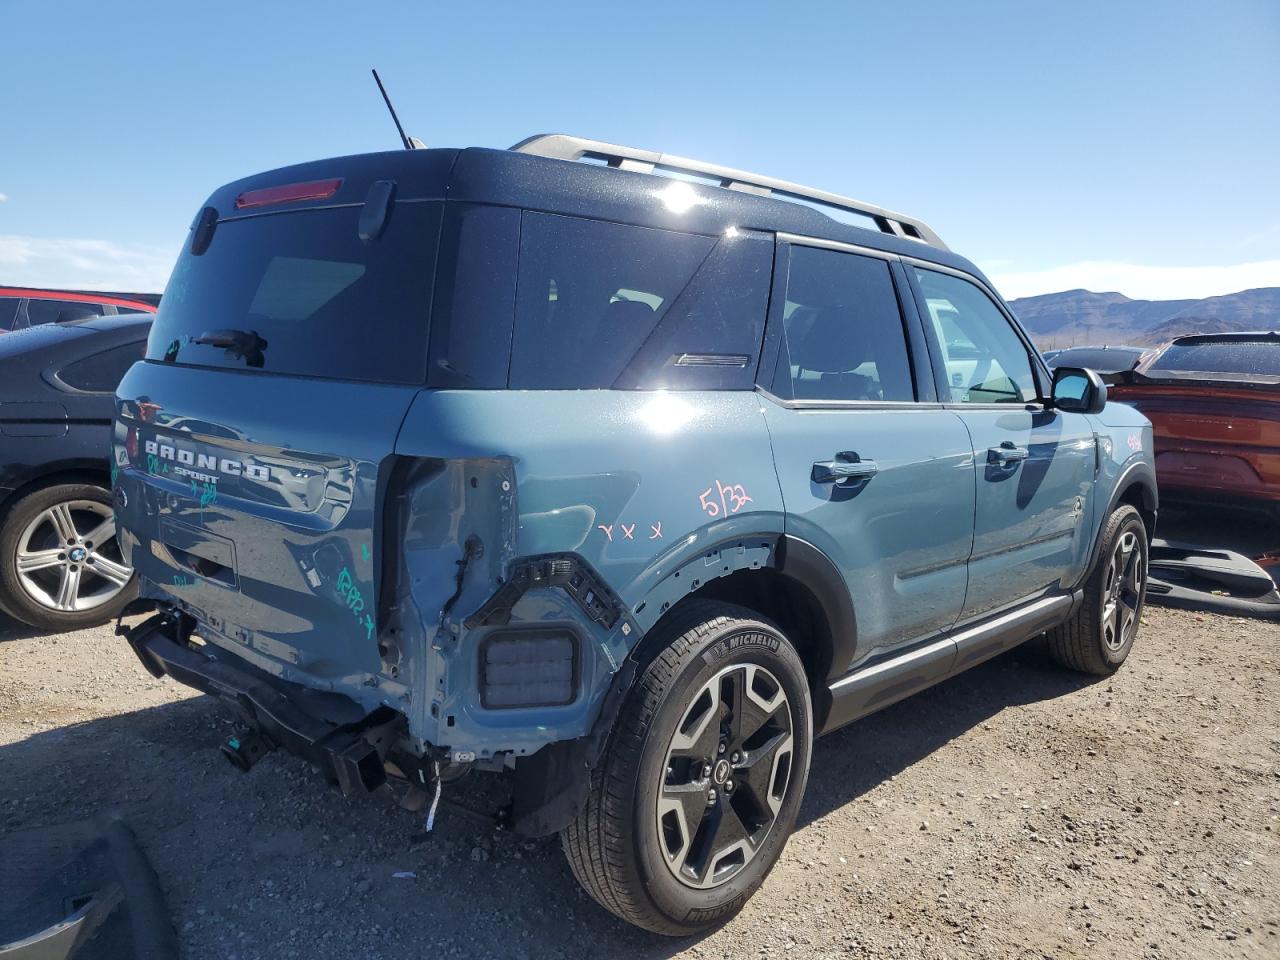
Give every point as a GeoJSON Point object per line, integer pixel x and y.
{"type": "Point", "coordinates": [68, 559]}
{"type": "Point", "coordinates": [1122, 591]}
{"type": "Point", "coordinates": [727, 771]}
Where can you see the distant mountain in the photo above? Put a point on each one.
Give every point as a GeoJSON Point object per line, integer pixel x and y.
{"type": "Point", "coordinates": [1083, 317]}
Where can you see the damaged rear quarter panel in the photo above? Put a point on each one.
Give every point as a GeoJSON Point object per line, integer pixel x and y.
{"type": "Point", "coordinates": [635, 484]}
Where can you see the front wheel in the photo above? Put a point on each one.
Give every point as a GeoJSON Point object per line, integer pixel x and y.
{"type": "Point", "coordinates": [698, 791]}
{"type": "Point", "coordinates": [1099, 636]}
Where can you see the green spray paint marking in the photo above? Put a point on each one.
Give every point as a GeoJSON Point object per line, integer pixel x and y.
{"type": "Point", "coordinates": [349, 592]}
{"type": "Point", "coordinates": [364, 550]}
{"type": "Point", "coordinates": [206, 492]}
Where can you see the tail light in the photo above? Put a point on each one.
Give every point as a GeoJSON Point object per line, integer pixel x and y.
{"type": "Point", "coordinates": [288, 193]}
{"type": "Point", "coordinates": [131, 443]}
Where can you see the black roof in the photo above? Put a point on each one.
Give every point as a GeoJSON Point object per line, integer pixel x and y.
{"type": "Point", "coordinates": [509, 178]}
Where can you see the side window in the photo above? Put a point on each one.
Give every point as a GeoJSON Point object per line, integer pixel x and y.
{"type": "Point", "coordinates": [986, 360]}
{"type": "Point", "coordinates": [843, 337]}
{"type": "Point", "coordinates": [589, 294]}
{"type": "Point", "coordinates": [102, 372]}
{"type": "Point", "coordinates": [475, 297]}
{"type": "Point", "coordinates": [60, 311]}
{"type": "Point", "coordinates": [8, 311]}
{"type": "Point", "coordinates": [710, 337]}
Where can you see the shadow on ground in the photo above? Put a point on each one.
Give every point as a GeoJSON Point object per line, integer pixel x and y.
{"type": "Point", "coordinates": [1253, 532]}
{"type": "Point", "coordinates": [11, 629]}
{"type": "Point", "coordinates": [271, 863]}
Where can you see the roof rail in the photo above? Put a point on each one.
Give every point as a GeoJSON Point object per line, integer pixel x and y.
{"type": "Point", "coordinates": [563, 147]}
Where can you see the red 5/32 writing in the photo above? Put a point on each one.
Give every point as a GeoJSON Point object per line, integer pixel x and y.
{"type": "Point", "coordinates": [723, 499]}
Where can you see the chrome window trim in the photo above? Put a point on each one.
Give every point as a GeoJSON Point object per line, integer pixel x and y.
{"type": "Point", "coordinates": [805, 241]}
{"type": "Point", "coordinates": [1037, 361]}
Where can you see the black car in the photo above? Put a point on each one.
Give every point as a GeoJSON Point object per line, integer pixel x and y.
{"type": "Point", "coordinates": [1103, 359]}
{"type": "Point", "coordinates": [60, 565]}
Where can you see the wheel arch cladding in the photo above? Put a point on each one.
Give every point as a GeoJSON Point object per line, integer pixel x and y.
{"type": "Point", "coordinates": [1140, 493]}
{"type": "Point", "coordinates": [1136, 486]}
{"type": "Point", "coordinates": [782, 579]}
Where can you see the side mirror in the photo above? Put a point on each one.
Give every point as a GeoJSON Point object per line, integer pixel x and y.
{"type": "Point", "coordinates": [1076, 390]}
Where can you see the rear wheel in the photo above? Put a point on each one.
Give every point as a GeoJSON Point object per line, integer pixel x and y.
{"type": "Point", "coordinates": [60, 563]}
{"type": "Point", "coordinates": [1098, 638]}
{"type": "Point", "coordinates": [698, 790]}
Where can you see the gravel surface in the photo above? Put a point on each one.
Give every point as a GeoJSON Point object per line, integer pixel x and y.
{"type": "Point", "coordinates": [1015, 811]}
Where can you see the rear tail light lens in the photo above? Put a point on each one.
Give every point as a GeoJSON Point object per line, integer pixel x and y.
{"type": "Point", "coordinates": [288, 193]}
{"type": "Point", "coordinates": [131, 443]}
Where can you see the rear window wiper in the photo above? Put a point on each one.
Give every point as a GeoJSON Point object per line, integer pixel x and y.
{"type": "Point", "coordinates": [238, 344]}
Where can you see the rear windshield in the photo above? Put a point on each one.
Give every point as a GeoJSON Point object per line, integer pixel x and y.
{"type": "Point", "coordinates": [300, 293]}
{"type": "Point", "coordinates": [1255, 357]}
{"type": "Point", "coordinates": [1102, 361]}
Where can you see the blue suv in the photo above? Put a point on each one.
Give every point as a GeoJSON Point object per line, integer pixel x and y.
{"type": "Point", "coordinates": [621, 474]}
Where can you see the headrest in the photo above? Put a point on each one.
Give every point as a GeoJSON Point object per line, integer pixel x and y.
{"type": "Point", "coordinates": [629, 312]}
{"type": "Point", "coordinates": [826, 339]}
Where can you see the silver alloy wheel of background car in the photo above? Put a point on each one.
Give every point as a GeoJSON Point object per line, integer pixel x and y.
{"type": "Point", "coordinates": [67, 558]}
{"type": "Point", "coordinates": [727, 770]}
{"type": "Point", "coordinates": [1122, 589]}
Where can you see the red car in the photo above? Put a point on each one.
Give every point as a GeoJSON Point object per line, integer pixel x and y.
{"type": "Point", "coordinates": [28, 307]}
{"type": "Point", "coordinates": [1214, 400]}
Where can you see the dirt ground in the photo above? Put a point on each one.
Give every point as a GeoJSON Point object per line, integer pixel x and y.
{"type": "Point", "coordinates": [1016, 811]}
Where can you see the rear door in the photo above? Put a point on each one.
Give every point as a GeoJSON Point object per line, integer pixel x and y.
{"type": "Point", "coordinates": [873, 470]}
{"type": "Point", "coordinates": [1035, 466]}
{"type": "Point", "coordinates": [256, 438]}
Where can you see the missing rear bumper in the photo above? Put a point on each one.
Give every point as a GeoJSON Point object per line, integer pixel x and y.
{"type": "Point", "coordinates": [350, 755]}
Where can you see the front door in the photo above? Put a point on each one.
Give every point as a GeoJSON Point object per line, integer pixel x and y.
{"type": "Point", "coordinates": [1035, 466]}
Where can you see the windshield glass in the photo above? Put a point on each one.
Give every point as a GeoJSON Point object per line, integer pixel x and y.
{"type": "Point", "coordinates": [1256, 357]}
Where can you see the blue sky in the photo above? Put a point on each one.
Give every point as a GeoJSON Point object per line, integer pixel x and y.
{"type": "Point", "coordinates": [1111, 145]}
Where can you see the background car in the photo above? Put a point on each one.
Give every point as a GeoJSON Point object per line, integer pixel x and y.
{"type": "Point", "coordinates": [1103, 359]}
{"type": "Point", "coordinates": [22, 307]}
{"type": "Point", "coordinates": [1214, 400]}
{"type": "Point", "coordinates": [60, 566]}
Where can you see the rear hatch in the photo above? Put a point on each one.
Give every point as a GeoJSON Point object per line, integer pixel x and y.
{"type": "Point", "coordinates": [253, 444]}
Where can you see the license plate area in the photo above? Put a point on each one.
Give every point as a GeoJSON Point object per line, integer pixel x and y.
{"type": "Point", "coordinates": [200, 552]}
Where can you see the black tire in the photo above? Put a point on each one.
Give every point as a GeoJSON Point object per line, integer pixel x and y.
{"type": "Point", "coordinates": [620, 847]}
{"type": "Point", "coordinates": [20, 601]}
{"type": "Point", "coordinates": [1085, 642]}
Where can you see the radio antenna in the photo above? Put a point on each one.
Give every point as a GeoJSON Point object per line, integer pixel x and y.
{"type": "Point", "coordinates": [408, 145]}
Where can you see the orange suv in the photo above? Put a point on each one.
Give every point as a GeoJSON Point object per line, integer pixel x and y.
{"type": "Point", "coordinates": [1214, 400]}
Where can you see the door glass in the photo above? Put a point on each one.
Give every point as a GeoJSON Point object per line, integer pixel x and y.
{"type": "Point", "coordinates": [842, 330]}
{"type": "Point", "coordinates": [8, 311]}
{"type": "Point", "coordinates": [61, 311]}
{"type": "Point", "coordinates": [986, 360]}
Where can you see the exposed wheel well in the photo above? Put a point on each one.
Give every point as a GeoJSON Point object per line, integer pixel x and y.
{"type": "Point", "coordinates": [789, 604]}
{"type": "Point", "coordinates": [1142, 498]}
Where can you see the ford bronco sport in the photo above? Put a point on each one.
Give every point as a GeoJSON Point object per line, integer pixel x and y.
{"type": "Point", "coordinates": [624, 474]}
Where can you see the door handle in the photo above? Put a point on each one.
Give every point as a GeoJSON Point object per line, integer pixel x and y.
{"type": "Point", "coordinates": [1007, 454]}
{"type": "Point", "coordinates": [845, 470]}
